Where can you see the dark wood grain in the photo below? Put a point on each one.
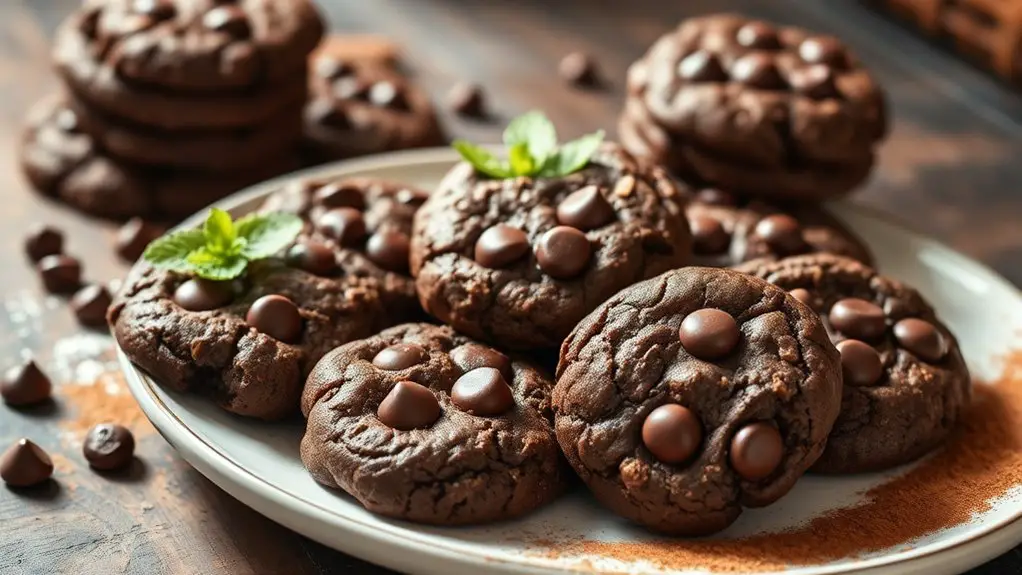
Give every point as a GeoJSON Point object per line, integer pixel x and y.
{"type": "Point", "coordinates": [949, 169]}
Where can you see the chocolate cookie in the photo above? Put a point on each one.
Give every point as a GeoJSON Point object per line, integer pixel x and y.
{"type": "Point", "coordinates": [423, 424]}
{"type": "Point", "coordinates": [688, 396]}
{"type": "Point", "coordinates": [519, 262]}
{"type": "Point", "coordinates": [905, 380]}
{"type": "Point", "coordinates": [249, 344]}
{"type": "Point", "coordinates": [359, 108]}
{"type": "Point", "coordinates": [62, 161]}
{"type": "Point", "coordinates": [364, 225]}
{"type": "Point", "coordinates": [769, 111]}
{"type": "Point", "coordinates": [727, 231]}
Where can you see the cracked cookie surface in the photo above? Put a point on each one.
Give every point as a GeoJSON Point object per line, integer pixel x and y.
{"type": "Point", "coordinates": [689, 396]}
{"type": "Point", "coordinates": [423, 424]}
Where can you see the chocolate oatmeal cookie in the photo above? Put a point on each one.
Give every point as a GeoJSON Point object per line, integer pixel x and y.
{"type": "Point", "coordinates": [905, 380]}
{"type": "Point", "coordinates": [769, 111]}
{"type": "Point", "coordinates": [423, 424]}
{"type": "Point", "coordinates": [519, 261]}
{"type": "Point", "coordinates": [691, 395]}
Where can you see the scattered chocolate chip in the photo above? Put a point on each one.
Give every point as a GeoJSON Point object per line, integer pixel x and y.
{"type": "Point", "coordinates": [579, 69]}
{"type": "Point", "coordinates": [400, 356]}
{"type": "Point", "coordinates": [757, 70]}
{"type": "Point", "coordinates": [345, 225]}
{"type": "Point", "coordinates": [332, 68]}
{"type": "Point", "coordinates": [43, 240]}
{"type": "Point", "coordinates": [230, 20]}
{"type": "Point", "coordinates": [709, 333]}
{"type": "Point", "coordinates": [672, 433]}
{"type": "Point", "coordinates": [61, 274]}
{"type": "Point", "coordinates": [388, 95]}
{"type": "Point", "coordinates": [323, 111]}
{"type": "Point", "coordinates": [585, 209]}
{"type": "Point", "coordinates": [25, 464]}
{"type": "Point", "coordinates": [758, 35]}
{"type": "Point", "coordinates": [467, 99]}
{"type": "Point", "coordinates": [90, 303]}
{"type": "Point", "coordinates": [500, 246]}
{"type": "Point", "coordinates": [198, 294]}
{"type": "Point", "coordinates": [782, 233]}
{"type": "Point", "coordinates": [313, 257]}
{"type": "Point", "coordinates": [155, 9]}
{"type": "Point", "coordinates": [409, 406]}
{"type": "Point", "coordinates": [25, 384]}
{"type": "Point", "coordinates": [823, 50]}
{"type": "Point", "coordinates": [339, 195]}
{"type": "Point", "coordinates": [563, 252]}
{"type": "Point", "coordinates": [473, 356]}
{"type": "Point", "coordinates": [858, 318]}
{"type": "Point", "coordinates": [482, 392]}
{"type": "Point", "coordinates": [389, 250]}
{"type": "Point", "coordinates": [802, 295]}
{"type": "Point", "coordinates": [921, 338]}
{"type": "Point", "coordinates": [756, 451]}
{"type": "Point", "coordinates": [276, 316]}
{"type": "Point", "coordinates": [715, 197]}
{"type": "Point", "coordinates": [109, 446]}
{"type": "Point", "coordinates": [701, 66]}
{"type": "Point", "coordinates": [860, 363]}
{"type": "Point", "coordinates": [816, 81]}
{"type": "Point", "coordinates": [133, 238]}
{"type": "Point", "coordinates": [708, 235]}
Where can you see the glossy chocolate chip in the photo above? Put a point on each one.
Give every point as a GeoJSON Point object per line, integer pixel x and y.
{"type": "Point", "coordinates": [708, 235]}
{"type": "Point", "coordinates": [757, 70]}
{"type": "Point", "coordinates": [109, 446]}
{"type": "Point", "coordinates": [133, 238]}
{"type": "Point", "coordinates": [473, 356]}
{"type": "Point", "coordinates": [155, 9]}
{"type": "Point", "coordinates": [467, 99]}
{"type": "Point", "coordinates": [585, 209]}
{"type": "Point", "coordinates": [332, 68]}
{"type": "Point", "coordinates": [339, 195]}
{"type": "Point", "coordinates": [815, 81]}
{"type": "Point", "coordinates": [782, 233]}
{"type": "Point", "coordinates": [277, 317]}
{"type": "Point", "coordinates": [756, 451]}
{"type": "Point", "coordinates": [229, 20]}
{"type": "Point", "coordinates": [921, 338]}
{"type": "Point", "coordinates": [411, 196]}
{"type": "Point", "coordinates": [25, 464]}
{"type": "Point", "coordinates": [60, 274]}
{"type": "Point", "coordinates": [400, 356]}
{"type": "Point", "coordinates": [409, 406]}
{"type": "Point", "coordinates": [67, 121]}
{"type": "Point", "coordinates": [563, 252]}
{"type": "Point", "coordinates": [43, 240]}
{"type": "Point", "coordinates": [388, 95]}
{"type": "Point", "coordinates": [802, 295]}
{"type": "Point", "coordinates": [25, 384]}
{"type": "Point", "coordinates": [483, 392]}
{"type": "Point", "coordinates": [350, 88]}
{"type": "Point", "coordinates": [314, 257]}
{"type": "Point", "coordinates": [579, 69]}
{"type": "Point", "coordinates": [501, 246]}
{"type": "Point", "coordinates": [716, 197]}
{"type": "Point", "coordinates": [198, 294]}
{"type": "Point", "coordinates": [672, 433]}
{"type": "Point", "coordinates": [858, 318]}
{"type": "Point", "coordinates": [709, 333]}
{"type": "Point", "coordinates": [90, 303]}
{"type": "Point", "coordinates": [345, 225]}
{"type": "Point", "coordinates": [823, 50]}
{"type": "Point", "coordinates": [701, 66]}
{"type": "Point", "coordinates": [758, 35]}
{"type": "Point", "coordinates": [860, 363]}
{"type": "Point", "coordinates": [389, 250]}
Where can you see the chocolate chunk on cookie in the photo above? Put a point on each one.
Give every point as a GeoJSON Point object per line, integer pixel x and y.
{"type": "Point", "coordinates": [423, 424]}
{"type": "Point", "coordinates": [519, 262]}
{"type": "Point", "coordinates": [905, 380]}
{"type": "Point", "coordinates": [689, 396]}
{"type": "Point", "coordinates": [770, 111]}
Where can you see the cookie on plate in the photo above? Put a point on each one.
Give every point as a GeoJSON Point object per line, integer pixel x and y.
{"type": "Point", "coordinates": [905, 382]}
{"type": "Point", "coordinates": [423, 424]}
{"type": "Point", "coordinates": [774, 112]}
{"type": "Point", "coordinates": [689, 396]}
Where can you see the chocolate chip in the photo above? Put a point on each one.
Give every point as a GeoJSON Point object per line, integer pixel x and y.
{"type": "Point", "coordinates": [313, 257]}
{"type": "Point", "coordinates": [345, 225]}
{"type": "Point", "coordinates": [579, 69]}
{"type": "Point", "coordinates": [921, 338]}
{"type": "Point", "coordinates": [563, 252]}
{"type": "Point", "coordinates": [672, 433]}
{"type": "Point", "coordinates": [155, 9]}
{"type": "Point", "coordinates": [42, 241]}
{"type": "Point", "coordinates": [708, 235]}
{"type": "Point", "coordinates": [802, 295]}
{"type": "Point", "coordinates": [67, 121]}
{"type": "Point", "coordinates": [701, 66]}
{"type": "Point", "coordinates": [483, 392]}
{"type": "Point", "coordinates": [400, 356]}
{"type": "Point", "coordinates": [388, 95]}
{"type": "Point", "coordinates": [25, 464]}
{"type": "Point", "coordinates": [350, 88]}
{"type": "Point", "coordinates": [500, 246]}
{"type": "Point", "coordinates": [109, 446]}
{"type": "Point", "coordinates": [756, 451]}
{"type": "Point", "coordinates": [860, 363]}
{"type": "Point", "coordinates": [133, 238]}
{"type": "Point", "coordinates": [25, 384]}
{"type": "Point", "coordinates": [715, 197]}
{"type": "Point", "coordinates": [198, 294]}
{"type": "Point", "coordinates": [339, 195]}
{"type": "Point", "coordinates": [473, 356]}
{"type": "Point", "coordinates": [816, 81]}
{"type": "Point", "coordinates": [858, 318]}
{"type": "Point", "coordinates": [409, 406]}
{"type": "Point", "coordinates": [411, 196]}
{"type": "Point", "coordinates": [709, 333]}
{"type": "Point", "coordinates": [89, 305]}
{"type": "Point", "coordinates": [324, 112]}
{"type": "Point", "coordinates": [758, 35]}
{"type": "Point", "coordinates": [389, 250]}
{"type": "Point", "coordinates": [467, 99]}
{"type": "Point", "coordinates": [782, 233]}
{"type": "Point", "coordinates": [230, 20]}
{"type": "Point", "coordinates": [757, 70]}
{"type": "Point", "coordinates": [332, 68]}
{"type": "Point", "coordinates": [585, 209]}
{"type": "Point", "coordinates": [823, 50]}
{"type": "Point", "coordinates": [61, 274]}
{"type": "Point", "coordinates": [276, 316]}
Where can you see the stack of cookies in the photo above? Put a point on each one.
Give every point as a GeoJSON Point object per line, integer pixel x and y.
{"type": "Point", "coordinates": [171, 104]}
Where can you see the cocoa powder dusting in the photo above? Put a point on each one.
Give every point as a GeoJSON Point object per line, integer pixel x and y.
{"type": "Point", "coordinates": [981, 461]}
{"type": "Point", "coordinates": [105, 400]}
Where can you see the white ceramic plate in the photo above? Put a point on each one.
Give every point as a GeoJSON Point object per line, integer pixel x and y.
{"type": "Point", "coordinates": [259, 464]}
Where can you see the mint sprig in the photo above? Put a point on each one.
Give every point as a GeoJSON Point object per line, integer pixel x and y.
{"type": "Point", "coordinates": [531, 140]}
{"type": "Point", "coordinates": [223, 248]}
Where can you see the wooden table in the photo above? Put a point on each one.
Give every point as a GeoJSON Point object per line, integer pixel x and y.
{"type": "Point", "coordinates": [950, 169]}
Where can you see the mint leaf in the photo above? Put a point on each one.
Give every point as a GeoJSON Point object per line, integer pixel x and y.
{"type": "Point", "coordinates": [171, 251]}
{"type": "Point", "coordinates": [222, 269]}
{"type": "Point", "coordinates": [535, 131]}
{"type": "Point", "coordinates": [267, 234]}
{"type": "Point", "coordinates": [482, 160]}
{"type": "Point", "coordinates": [572, 156]}
{"type": "Point", "coordinates": [219, 231]}
{"type": "Point", "coordinates": [522, 163]}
